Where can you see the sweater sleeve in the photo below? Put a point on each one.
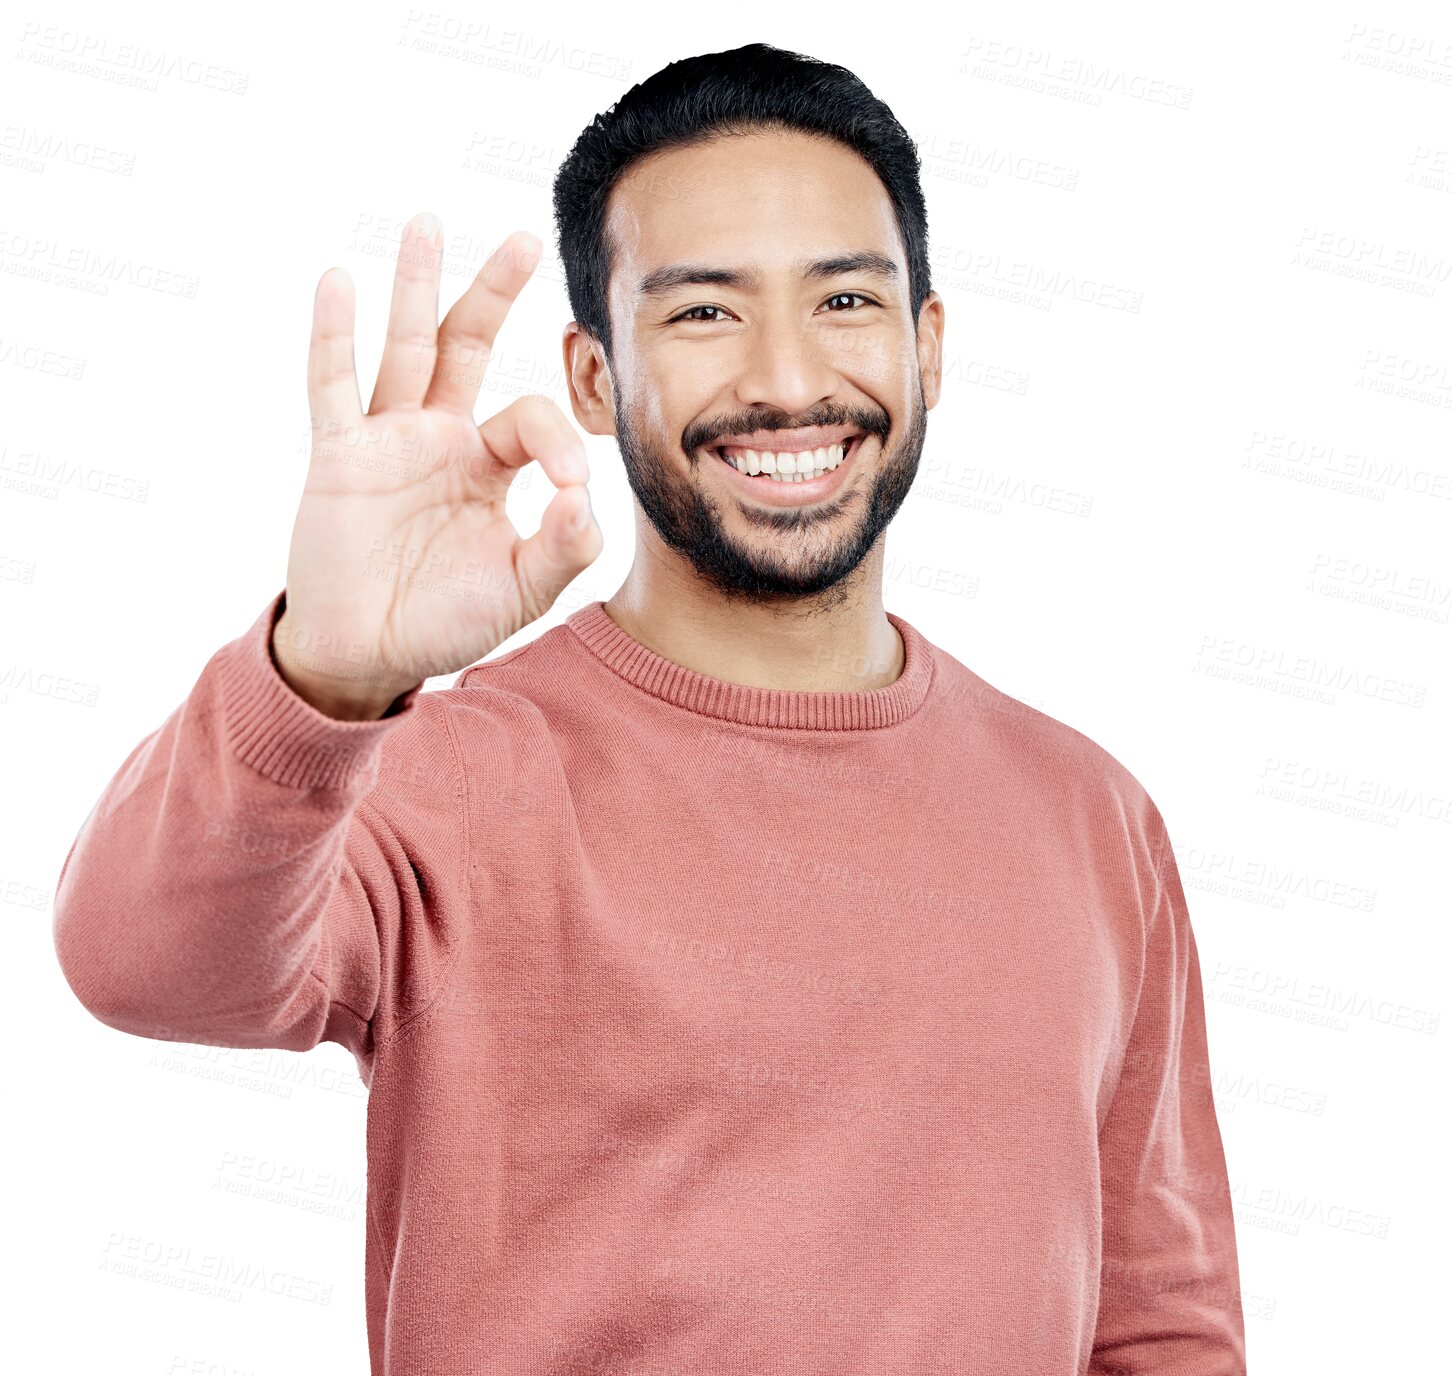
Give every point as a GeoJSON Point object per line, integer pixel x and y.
{"type": "Point", "coordinates": [259, 874]}
{"type": "Point", "coordinates": [1169, 1299]}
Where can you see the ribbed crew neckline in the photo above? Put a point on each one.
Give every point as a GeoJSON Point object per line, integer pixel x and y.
{"type": "Point", "coordinates": [843, 710]}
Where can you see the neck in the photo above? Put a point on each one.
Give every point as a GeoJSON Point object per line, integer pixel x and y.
{"type": "Point", "coordinates": [840, 641]}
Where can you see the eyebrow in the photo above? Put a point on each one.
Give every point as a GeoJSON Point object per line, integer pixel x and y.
{"type": "Point", "coordinates": [667, 279]}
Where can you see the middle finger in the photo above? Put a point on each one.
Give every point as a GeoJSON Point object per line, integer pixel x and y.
{"type": "Point", "coordinates": [466, 338]}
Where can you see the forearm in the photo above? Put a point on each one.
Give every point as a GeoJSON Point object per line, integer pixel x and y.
{"type": "Point", "coordinates": [1169, 1284]}
{"type": "Point", "coordinates": [190, 904]}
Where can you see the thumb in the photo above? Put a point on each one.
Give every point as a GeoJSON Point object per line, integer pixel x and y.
{"type": "Point", "coordinates": [568, 541]}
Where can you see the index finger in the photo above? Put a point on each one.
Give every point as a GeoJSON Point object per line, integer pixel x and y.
{"type": "Point", "coordinates": [466, 337]}
{"type": "Point", "coordinates": [531, 428]}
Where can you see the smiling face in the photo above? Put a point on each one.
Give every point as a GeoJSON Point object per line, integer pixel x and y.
{"type": "Point", "coordinates": [769, 388]}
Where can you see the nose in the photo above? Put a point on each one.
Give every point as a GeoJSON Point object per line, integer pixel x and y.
{"type": "Point", "coordinates": [785, 367]}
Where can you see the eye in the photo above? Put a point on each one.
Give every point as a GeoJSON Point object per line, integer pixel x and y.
{"type": "Point", "coordinates": [857, 294]}
{"type": "Point", "coordinates": [690, 317]}
{"type": "Point", "coordinates": [686, 314]}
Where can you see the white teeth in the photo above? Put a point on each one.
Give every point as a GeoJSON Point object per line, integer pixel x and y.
{"type": "Point", "coordinates": [789, 468]}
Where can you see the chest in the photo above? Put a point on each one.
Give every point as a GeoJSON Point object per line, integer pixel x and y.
{"type": "Point", "coordinates": [764, 959]}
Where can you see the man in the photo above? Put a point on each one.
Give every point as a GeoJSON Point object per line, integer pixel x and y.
{"type": "Point", "coordinates": [741, 982]}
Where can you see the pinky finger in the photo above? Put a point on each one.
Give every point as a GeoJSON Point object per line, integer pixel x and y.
{"type": "Point", "coordinates": [332, 379]}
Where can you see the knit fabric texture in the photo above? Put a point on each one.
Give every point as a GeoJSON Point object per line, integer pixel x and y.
{"type": "Point", "coordinates": [707, 1028]}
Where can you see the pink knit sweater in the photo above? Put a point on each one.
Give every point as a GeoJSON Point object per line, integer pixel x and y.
{"type": "Point", "coordinates": [708, 1029]}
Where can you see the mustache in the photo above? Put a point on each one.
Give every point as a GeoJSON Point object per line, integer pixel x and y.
{"type": "Point", "coordinates": [699, 436]}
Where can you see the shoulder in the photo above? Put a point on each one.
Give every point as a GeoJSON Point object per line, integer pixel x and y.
{"type": "Point", "coordinates": [515, 688]}
{"type": "Point", "coordinates": [1065, 766]}
{"type": "Point", "coordinates": [478, 738]}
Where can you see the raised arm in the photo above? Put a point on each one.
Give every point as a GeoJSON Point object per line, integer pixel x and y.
{"type": "Point", "coordinates": [282, 860]}
{"type": "Point", "coordinates": [255, 873]}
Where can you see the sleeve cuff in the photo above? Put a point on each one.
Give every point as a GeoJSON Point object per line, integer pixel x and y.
{"type": "Point", "coordinates": [277, 732]}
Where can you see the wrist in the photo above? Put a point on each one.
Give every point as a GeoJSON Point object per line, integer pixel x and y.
{"type": "Point", "coordinates": [346, 696]}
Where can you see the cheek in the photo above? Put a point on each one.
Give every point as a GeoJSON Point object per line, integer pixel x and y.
{"type": "Point", "coordinates": [876, 361]}
{"type": "Point", "coordinates": [682, 387]}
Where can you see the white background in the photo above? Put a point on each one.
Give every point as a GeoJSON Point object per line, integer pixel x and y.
{"type": "Point", "coordinates": [1188, 490]}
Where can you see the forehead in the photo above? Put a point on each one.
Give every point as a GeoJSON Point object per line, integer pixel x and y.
{"type": "Point", "coordinates": [764, 201]}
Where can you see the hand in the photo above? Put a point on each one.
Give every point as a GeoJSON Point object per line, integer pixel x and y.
{"type": "Point", "coordinates": [403, 564]}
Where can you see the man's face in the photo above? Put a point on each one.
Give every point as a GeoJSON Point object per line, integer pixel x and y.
{"type": "Point", "coordinates": [770, 359]}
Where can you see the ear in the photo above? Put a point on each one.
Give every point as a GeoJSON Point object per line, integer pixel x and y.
{"type": "Point", "coordinates": [587, 375]}
{"type": "Point", "coordinates": [930, 348]}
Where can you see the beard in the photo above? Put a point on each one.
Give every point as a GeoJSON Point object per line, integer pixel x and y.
{"type": "Point", "coordinates": [802, 552]}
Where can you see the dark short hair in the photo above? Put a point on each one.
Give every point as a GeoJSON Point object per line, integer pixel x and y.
{"type": "Point", "coordinates": [697, 99]}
